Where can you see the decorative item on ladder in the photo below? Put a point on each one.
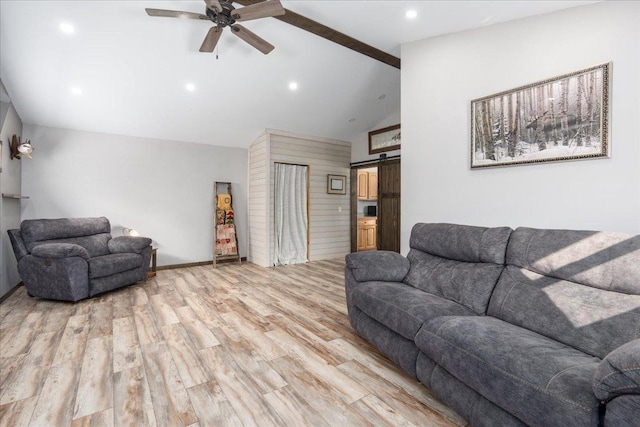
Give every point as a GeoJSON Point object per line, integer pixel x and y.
{"type": "Point", "coordinates": [225, 239]}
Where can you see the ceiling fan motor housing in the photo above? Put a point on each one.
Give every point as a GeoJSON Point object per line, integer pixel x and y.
{"type": "Point", "coordinates": [224, 18]}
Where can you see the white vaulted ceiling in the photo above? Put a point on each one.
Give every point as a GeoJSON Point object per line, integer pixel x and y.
{"type": "Point", "coordinates": [133, 69]}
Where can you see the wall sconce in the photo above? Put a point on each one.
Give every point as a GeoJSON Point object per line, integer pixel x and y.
{"type": "Point", "coordinates": [129, 232]}
{"type": "Point", "coordinates": [18, 149]}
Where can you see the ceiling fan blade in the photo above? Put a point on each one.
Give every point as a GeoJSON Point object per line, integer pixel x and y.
{"type": "Point", "coordinates": [328, 33]}
{"type": "Point", "coordinates": [211, 40]}
{"type": "Point", "coordinates": [214, 5]}
{"type": "Point", "coordinates": [259, 43]}
{"type": "Point", "coordinates": [258, 10]}
{"type": "Point", "coordinates": [175, 14]}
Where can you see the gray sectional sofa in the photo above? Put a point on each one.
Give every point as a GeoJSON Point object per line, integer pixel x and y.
{"type": "Point", "coordinates": [510, 328]}
{"type": "Point", "coordinates": [75, 258]}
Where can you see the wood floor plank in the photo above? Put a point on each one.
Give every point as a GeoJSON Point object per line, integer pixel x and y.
{"type": "Point", "coordinates": [27, 380]}
{"type": "Point", "coordinates": [343, 386]}
{"type": "Point", "coordinates": [239, 345]}
{"type": "Point", "coordinates": [126, 348]}
{"type": "Point", "coordinates": [18, 413]}
{"type": "Point", "coordinates": [74, 341]}
{"type": "Point", "coordinates": [101, 319]}
{"type": "Point", "coordinates": [317, 394]}
{"type": "Point", "coordinates": [212, 407]}
{"type": "Point", "coordinates": [132, 399]}
{"type": "Point", "coordinates": [188, 361]}
{"type": "Point", "coordinates": [95, 388]}
{"type": "Point", "coordinates": [171, 403]}
{"type": "Point", "coordinates": [53, 407]}
{"type": "Point", "coordinates": [146, 325]}
{"type": "Point", "coordinates": [99, 419]}
{"type": "Point", "coordinates": [248, 403]}
{"type": "Point", "coordinates": [200, 334]}
{"type": "Point", "coordinates": [18, 340]}
{"type": "Point", "coordinates": [292, 408]}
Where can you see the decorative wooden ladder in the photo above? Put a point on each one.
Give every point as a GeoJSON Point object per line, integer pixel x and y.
{"type": "Point", "coordinates": [225, 239]}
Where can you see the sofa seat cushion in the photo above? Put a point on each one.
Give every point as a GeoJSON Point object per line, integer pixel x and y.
{"type": "Point", "coordinates": [403, 308]}
{"type": "Point", "coordinates": [537, 379]}
{"type": "Point", "coordinates": [107, 265]}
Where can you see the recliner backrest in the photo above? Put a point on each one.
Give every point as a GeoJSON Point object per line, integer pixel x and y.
{"type": "Point", "coordinates": [461, 263]}
{"type": "Point", "coordinates": [581, 288]}
{"type": "Point", "coordinates": [91, 233]}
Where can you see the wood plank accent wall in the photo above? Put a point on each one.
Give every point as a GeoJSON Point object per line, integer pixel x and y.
{"type": "Point", "coordinates": [257, 251]}
{"type": "Point", "coordinates": [329, 235]}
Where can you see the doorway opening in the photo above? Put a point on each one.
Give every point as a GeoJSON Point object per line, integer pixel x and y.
{"type": "Point", "coordinates": [291, 214]}
{"type": "Point", "coordinates": [375, 205]}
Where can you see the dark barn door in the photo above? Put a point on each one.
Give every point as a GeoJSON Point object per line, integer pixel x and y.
{"type": "Point", "coordinates": [389, 205]}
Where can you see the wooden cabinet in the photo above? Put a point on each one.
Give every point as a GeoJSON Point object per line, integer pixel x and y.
{"type": "Point", "coordinates": [367, 233]}
{"type": "Point", "coordinates": [373, 186]}
{"type": "Point", "coordinates": [367, 185]}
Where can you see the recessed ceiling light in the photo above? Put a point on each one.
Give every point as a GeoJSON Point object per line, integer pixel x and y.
{"type": "Point", "coordinates": [190, 87]}
{"type": "Point", "coordinates": [76, 91]}
{"type": "Point", "coordinates": [411, 14]}
{"type": "Point", "coordinates": [293, 86]}
{"type": "Point", "coordinates": [67, 28]}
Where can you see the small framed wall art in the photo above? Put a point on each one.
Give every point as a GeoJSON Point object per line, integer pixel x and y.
{"type": "Point", "coordinates": [561, 118]}
{"type": "Point", "coordinates": [336, 184]}
{"type": "Point", "coordinates": [386, 139]}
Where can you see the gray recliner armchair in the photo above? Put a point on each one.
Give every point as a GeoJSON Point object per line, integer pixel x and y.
{"type": "Point", "coordinates": [75, 258]}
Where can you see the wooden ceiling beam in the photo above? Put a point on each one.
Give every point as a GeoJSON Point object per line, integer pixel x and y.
{"type": "Point", "coordinates": [328, 33]}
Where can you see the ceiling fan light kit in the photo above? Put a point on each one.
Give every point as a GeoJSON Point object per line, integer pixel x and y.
{"type": "Point", "coordinates": [223, 14]}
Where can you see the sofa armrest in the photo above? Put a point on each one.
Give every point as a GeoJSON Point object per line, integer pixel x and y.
{"type": "Point", "coordinates": [384, 266]}
{"type": "Point", "coordinates": [59, 250]}
{"type": "Point", "coordinates": [19, 248]}
{"type": "Point", "coordinates": [619, 372]}
{"type": "Point", "coordinates": [128, 244]}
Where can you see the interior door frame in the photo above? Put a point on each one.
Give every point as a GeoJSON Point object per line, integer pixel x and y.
{"type": "Point", "coordinates": [354, 193]}
{"type": "Point", "coordinates": [354, 200]}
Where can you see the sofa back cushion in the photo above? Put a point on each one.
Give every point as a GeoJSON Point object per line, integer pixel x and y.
{"type": "Point", "coordinates": [581, 288]}
{"type": "Point", "coordinates": [93, 234]}
{"type": "Point", "coordinates": [458, 262]}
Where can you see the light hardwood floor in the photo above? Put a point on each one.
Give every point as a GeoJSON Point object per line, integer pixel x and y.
{"type": "Point", "coordinates": [240, 345]}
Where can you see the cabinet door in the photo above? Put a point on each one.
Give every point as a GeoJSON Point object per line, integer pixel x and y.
{"type": "Point", "coordinates": [370, 237]}
{"type": "Point", "coordinates": [373, 186]}
{"type": "Point", "coordinates": [363, 185]}
{"type": "Point", "coordinates": [361, 238]}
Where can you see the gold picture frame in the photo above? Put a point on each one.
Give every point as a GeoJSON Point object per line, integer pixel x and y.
{"type": "Point", "coordinates": [336, 184]}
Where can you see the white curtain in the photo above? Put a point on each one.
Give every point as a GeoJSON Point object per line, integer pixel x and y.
{"type": "Point", "coordinates": [290, 214]}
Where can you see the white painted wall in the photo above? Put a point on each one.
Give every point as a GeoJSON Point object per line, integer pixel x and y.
{"type": "Point", "coordinates": [163, 189]}
{"type": "Point", "coordinates": [10, 182]}
{"type": "Point", "coordinates": [441, 75]}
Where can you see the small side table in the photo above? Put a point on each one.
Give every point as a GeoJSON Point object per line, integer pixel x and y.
{"type": "Point", "coordinates": [152, 272]}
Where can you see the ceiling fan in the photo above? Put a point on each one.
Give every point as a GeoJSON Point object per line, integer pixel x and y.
{"type": "Point", "coordinates": [223, 14]}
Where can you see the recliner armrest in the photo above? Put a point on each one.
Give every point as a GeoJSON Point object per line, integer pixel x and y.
{"type": "Point", "coordinates": [619, 372]}
{"type": "Point", "coordinates": [59, 250]}
{"type": "Point", "coordinates": [19, 248]}
{"type": "Point", "coordinates": [384, 266]}
{"type": "Point", "coordinates": [128, 244]}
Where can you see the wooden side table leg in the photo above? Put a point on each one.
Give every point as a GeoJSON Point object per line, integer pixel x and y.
{"type": "Point", "coordinates": [152, 272]}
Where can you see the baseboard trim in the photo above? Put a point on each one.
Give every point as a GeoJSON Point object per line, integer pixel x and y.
{"type": "Point", "coordinates": [195, 264]}
{"type": "Point", "coordinates": [10, 292]}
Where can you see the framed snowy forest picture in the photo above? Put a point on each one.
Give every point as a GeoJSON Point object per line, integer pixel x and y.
{"type": "Point", "coordinates": [562, 118]}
